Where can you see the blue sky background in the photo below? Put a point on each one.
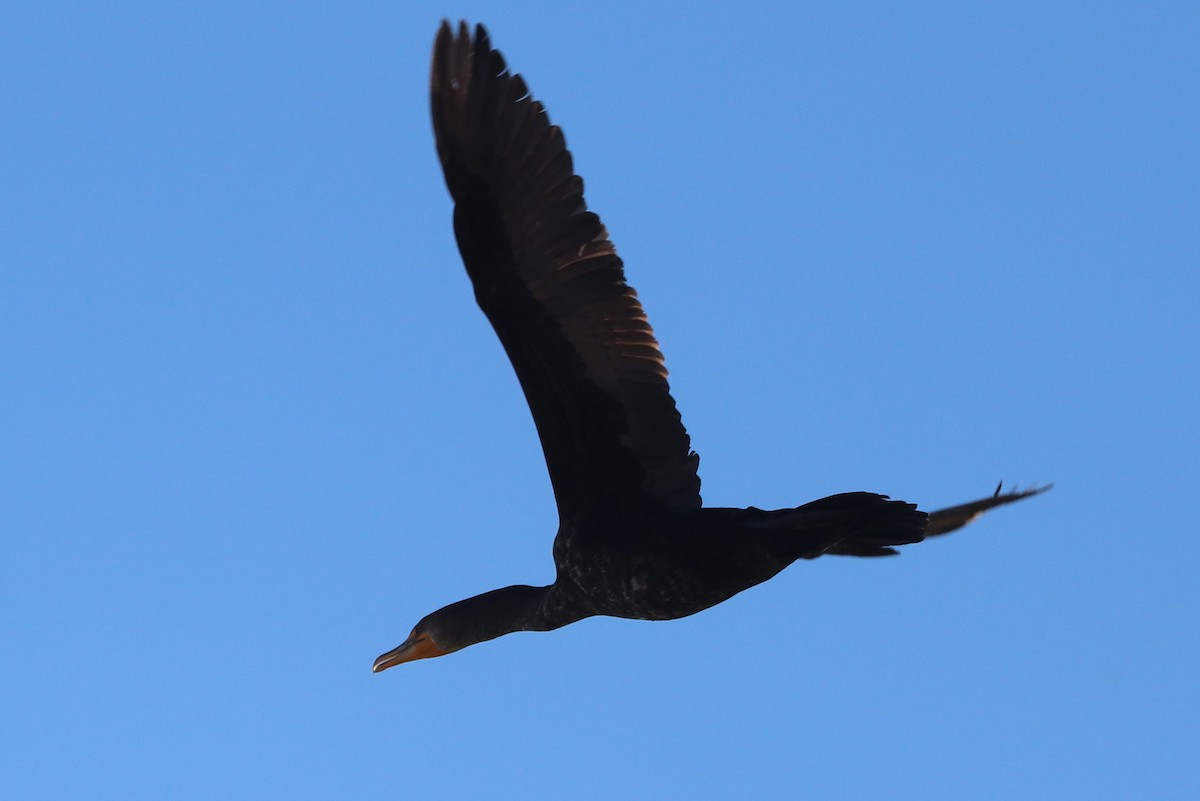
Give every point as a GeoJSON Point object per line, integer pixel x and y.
{"type": "Point", "coordinates": [254, 427]}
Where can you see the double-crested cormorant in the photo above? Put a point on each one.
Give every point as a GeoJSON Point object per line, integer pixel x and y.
{"type": "Point", "coordinates": [633, 540]}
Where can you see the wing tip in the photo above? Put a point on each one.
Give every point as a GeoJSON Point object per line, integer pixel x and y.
{"type": "Point", "coordinates": [944, 521]}
{"type": "Point", "coordinates": [1016, 493]}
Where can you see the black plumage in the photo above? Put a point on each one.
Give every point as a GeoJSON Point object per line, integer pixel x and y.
{"type": "Point", "coordinates": [633, 539]}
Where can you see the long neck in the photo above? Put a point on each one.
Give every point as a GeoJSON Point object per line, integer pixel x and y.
{"type": "Point", "coordinates": [503, 611]}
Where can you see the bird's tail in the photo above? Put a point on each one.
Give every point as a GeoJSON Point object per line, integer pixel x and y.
{"type": "Point", "coordinates": [864, 524]}
{"type": "Point", "coordinates": [854, 524]}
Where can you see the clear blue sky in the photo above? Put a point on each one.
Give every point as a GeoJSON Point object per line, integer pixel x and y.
{"type": "Point", "coordinates": [254, 427]}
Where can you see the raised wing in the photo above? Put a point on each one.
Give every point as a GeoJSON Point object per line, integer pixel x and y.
{"type": "Point", "coordinates": [554, 290]}
{"type": "Point", "coordinates": [943, 521]}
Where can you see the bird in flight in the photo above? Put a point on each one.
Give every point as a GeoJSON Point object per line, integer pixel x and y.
{"type": "Point", "coordinates": [633, 540]}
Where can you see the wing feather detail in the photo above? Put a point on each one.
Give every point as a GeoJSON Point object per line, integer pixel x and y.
{"type": "Point", "coordinates": [553, 288]}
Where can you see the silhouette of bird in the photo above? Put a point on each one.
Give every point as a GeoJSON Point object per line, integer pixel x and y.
{"type": "Point", "coordinates": [633, 539]}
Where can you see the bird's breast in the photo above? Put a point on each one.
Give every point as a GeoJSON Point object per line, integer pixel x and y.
{"type": "Point", "coordinates": [662, 572]}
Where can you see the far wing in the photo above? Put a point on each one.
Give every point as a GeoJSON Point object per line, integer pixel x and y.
{"type": "Point", "coordinates": [944, 521]}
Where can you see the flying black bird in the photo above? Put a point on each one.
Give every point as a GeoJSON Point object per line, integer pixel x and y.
{"type": "Point", "coordinates": [633, 540]}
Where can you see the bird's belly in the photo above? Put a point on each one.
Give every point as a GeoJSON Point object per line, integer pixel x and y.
{"type": "Point", "coordinates": [657, 586]}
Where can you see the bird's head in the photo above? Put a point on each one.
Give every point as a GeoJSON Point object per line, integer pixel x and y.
{"type": "Point", "coordinates": [474, 620]}
{"type": "Point", "coordinates": [422, 643]}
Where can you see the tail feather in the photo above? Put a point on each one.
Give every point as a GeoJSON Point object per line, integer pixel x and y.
{"type": "Point", "coordinates": [865, 524]}
{"type": "Point", "coordinates": [857, 524]}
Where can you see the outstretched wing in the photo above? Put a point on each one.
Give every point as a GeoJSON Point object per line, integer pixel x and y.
{"type": "Point", "coordinates": [943, 521]}
{"type": "Point", "coordinates": [553, 288]}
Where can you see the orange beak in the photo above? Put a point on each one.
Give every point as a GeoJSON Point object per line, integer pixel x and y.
{"type": "Point", "coordinates": [417, 646]}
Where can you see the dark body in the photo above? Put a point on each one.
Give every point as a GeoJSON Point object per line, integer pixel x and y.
{"type": "Point", "coordinates": [634, 540]}
{"type": "Point", "coordinates": [667, 567]}
{"type": "Point", "coordinates": [676, 564]}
